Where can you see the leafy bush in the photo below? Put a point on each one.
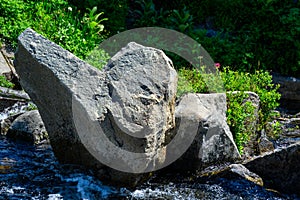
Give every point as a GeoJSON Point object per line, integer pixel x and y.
{"type": "Point", "coordinates": [5, 83]}
{"type": "Point", "coordinates": [239, 113]}
{"type": "Point", "coordinates": [56, 20]}
{"type": "Point", "coordinates": [259, 82]}
{"type": "Point", "coordinates": [240, 117]}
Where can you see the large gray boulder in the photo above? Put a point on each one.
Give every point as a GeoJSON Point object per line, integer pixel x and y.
{"type": "Point", "coordinates": [205, 116]}
{"type": "Point", "coordinates": [112, 121]}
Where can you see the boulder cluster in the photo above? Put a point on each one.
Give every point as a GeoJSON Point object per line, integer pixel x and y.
{"type": "Point", "coordinates": [125, 121]}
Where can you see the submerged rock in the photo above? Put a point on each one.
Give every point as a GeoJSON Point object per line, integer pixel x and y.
{"type": "Point", "coordinates": [28, 127]}
{"type": "Point", "coordinates": [120, 114]}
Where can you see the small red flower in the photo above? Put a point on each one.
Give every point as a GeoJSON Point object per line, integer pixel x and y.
{"type": "Point", "coordinates": [217, 65]}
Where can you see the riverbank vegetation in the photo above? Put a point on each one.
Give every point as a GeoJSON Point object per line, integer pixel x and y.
{"type": "Point", "coordinates": [248, 39]}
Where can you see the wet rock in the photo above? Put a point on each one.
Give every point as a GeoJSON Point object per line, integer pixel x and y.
{"type": "Point", "coordinates": [279, 169]}
{"type": "Point", "coordinates": [205, 115]}
{"type": "Point", "coordinates": [28, 127]}
{"type": "Point", "coordinates": [232, 171]}
{"type": "Point", "coordinates": [5, 124]}
{"type": "Point", "coordinates": [120, 114]}
{"type": "Point", "coordinates": [9, 114]}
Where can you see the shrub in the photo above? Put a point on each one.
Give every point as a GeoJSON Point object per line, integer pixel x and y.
{"type": "Point", "coordinates": [56, 20]}
{"type": "Point", "coordinates": [5, 83]}
{"type": "Point", "coordinates": [239, 113]}
{"type": "Point", "coordinates": [259, 82]}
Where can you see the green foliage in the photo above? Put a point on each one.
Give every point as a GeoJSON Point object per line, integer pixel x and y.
{"type": "Point", "coordinates": [198, 81]}
{"type": "Point", "coordinates": [263, 34]}
{"type": "Point", "coordinates": [181, 20]}
{"type": "Point", "coordinates": [5, 83]}
{"type": "Point", "coordinates": [97, 58]}
{"type": "Point", "coordinates": [275, 128]}
{"type": "Point", "coordinates": [31, 106]}
{"type": "Point", "coordinates": [56, 20]}
{"type": "Point", "coordinates": [115, 10]}
{"type": "Point", "coordinates": [240, 113]}
{"type": "Point", "coordinates": [246, 35]}
{"type": "Point", "coordinates": [259, 82]}
{"type": "Point", "coordinates": [147, 14]}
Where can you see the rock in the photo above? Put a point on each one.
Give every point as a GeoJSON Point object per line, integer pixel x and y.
{"type": "Point", "coordinates": [264, 144]}
{"type": "Point", "coordinates": [28, 127]}
{"type": "Point", "coordinates": [295, 121]}
{"type": "Point", "coordinates": [290, 92]}
{"type": "Point", "coordinates": [4, 67]}
{"type": "Point", "coordinates": [290, 127]}
{"type": "Point", "coordinates": [232, 171]}
{"type": "Point", "coordinates": [205, 115]}
{"type": "Point", "coordinates": [9, 97]}
{"type": "Point", "coordinates": [120, 114]}
{"type": "Point", "coordinates": [5, 124]}
{"type": "Point", "coordinates": [10, 113]}
{"type": "Point", "coordinates": [279, 169]}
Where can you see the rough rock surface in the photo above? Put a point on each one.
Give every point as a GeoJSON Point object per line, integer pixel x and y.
{"type": "Point", "coordinates": [131, 101]}
{"type": "Point", "coordinates": [264, 144]}
{"type": "Point", "coordinates": [279, 169]}
{"type": "Point", "coordinates": [28, 127]}
{"type": "Point", "coordinates": [205, 115]}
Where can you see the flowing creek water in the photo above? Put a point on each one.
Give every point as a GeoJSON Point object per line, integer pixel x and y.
{"type": "Point", "coordinates": [32, 172]}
